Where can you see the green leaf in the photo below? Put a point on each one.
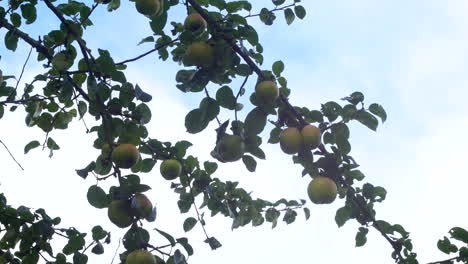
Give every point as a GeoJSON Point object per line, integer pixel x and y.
{"type": "Point", "coordinates": [195, 121]}
{"type": "Point", "coordinates": [289, 216]}
{"type": "Point", "coordinates": [459, 233]}
{"type": "Point", "coordinates": [157, 24]}
{"type": "Point", "coordinates": [51, 144]}
{"type": "Point", "coordinates": [213, 242]}
{"type": "Point", "coordinates": [300, 11]}
{"type": "Point", "coordinates": [143, 113]}
{"type": "Point", "coordinates": [15, 19]}
{"type": "Point", "coordinates": [147, 39]}
{"type": "Point", "coordinates": [278, 68]}
{"type": "Point", "coordinates": [82, 109]}
{"type": "Point", "coordinates": [289, 16]}
{"type": "Point", "coordinates": [210, 167]}
{"type": "Point", "coordinates": [184, 243]}
{"type": "Point", "coordinates": [226, 98]}
{"type": "Point", "coordinates": [342, 215]}
{"type": "Point", "coordinates": [361, 237]}
{"type": "Point", "coordinates": [367, 119]}
{"type": "Point", "coordinates": [189, 223]}
{"type": "Point", "coordinates": [210, 108]}
{"type": "Point", "coordinates": [79, 258]}
{"type": "Point", "coordinates": [378, 110]}
{"type": "Point", "coordinates": [98, 249]}
{"type": "Point", "coordinates": [97, 197]}
{"type": "Point", "coordinates": [98, 233]}
{"type": "Point", "coordinates": [83, 173]}
{"type": "Point", "coordinates": [28, 11]}
{"type": "Point", "coordinates": [167, 236]}
{"type": "Point", "coordinates": [255, 121]}
{"type": "Point", "coordinates": [31, 145]}
{"type": "Point", "coordinates": [355, 98]}
{"type": "Point", "coordinates": [445, 246]}
{"type": "Point", "coordinates": [355, 174]}
{"type": "Point", "coordinates": [307, 213]}
{"type": "Point", "coordinates": [249, 163]}
{"type": "Point", "coordinates": [11, 41]}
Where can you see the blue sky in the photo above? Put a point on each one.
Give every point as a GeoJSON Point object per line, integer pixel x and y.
{"type": "Point", "coordinates": [411, 57]}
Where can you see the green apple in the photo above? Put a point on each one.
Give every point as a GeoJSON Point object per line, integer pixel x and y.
{"type": "Point", "coordinates": [267, 92]}
{"type": "Point", "coordinates": [125, 156]}
{"type": "Point", "coordinates": [199, 54]}
{"type": "Point", "coordinates": [170, 169]}
{"type": "Point", "coordinates": [140, 256]}
{"type": "Point", "coordinates": [322, 190]}
{"type": "Point", "coordinates": [312, 136]}
{"type": "Point", "coordinates": [195, 23]}
{"type": "Point", "coordinates": [291, 140]}
{"type": "Point", "coordinates": [230, 148]}
{"type": "Point", "coordinates": [119, 213]}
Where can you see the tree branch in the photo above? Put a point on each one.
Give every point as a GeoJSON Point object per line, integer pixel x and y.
{"type": "Point", "coordinates": [34, 43]}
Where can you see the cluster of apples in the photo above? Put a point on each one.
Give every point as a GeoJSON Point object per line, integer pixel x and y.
{"type": "Point", "coordinates": [321, 190]}
{"type": "Point", "coordinates": [123, 212]}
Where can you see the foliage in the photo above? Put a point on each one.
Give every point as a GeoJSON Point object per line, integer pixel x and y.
{"type": "Point", "coordinates": [78, 82]}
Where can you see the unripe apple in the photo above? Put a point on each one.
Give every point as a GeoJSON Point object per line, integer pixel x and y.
{"type": "Point", "coordinates": [119, 213]}
{"type": "Point", "coordinates": [148, 7]}
{"type": "Point", "coordinates": [140, 256]}
{"type": "Point", "coordinates": [170, 169]}
{"type": "Point", "coordinates": [230, 148]}
{"type": "Point", "coordinates": [322, 190]}
{"type": "Point", "coordinates": [125, 156]}
{"type": "Point", "coordinates": [311, 135]}
{"type": "Point", "coordinates": [291, 140]}
{"type": "Point", "coordinates": [267, 92]}
{"type": "Point", "coordinates": [195, 23]}
{"type": "Point", "coordinates": [200, 54]}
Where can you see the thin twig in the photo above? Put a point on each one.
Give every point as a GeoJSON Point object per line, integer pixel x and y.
{"type": "Point", "coordinates": [444, 261]}
{"type": "Point", "coordinates": [272, 10]}
{"type": "Point", "coordinates": [239, 93]}
{"type": "Point", "coordinates": [22, 70]}
{"type": "Point", "coordinates": [148, 52]}
{"type": "Point", "coordinates": [116, 250]}
{"type": "Point", "coordinates": [11, 155]}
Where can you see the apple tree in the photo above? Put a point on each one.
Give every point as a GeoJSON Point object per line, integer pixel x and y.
{"type": "Point", "coordinates": [214, 46]}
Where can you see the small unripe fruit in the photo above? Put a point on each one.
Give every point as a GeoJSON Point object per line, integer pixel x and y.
{"type": "Point", "coordinates": [119, 213]}
{"type": "Point", "coordinates": [322, 190]}
{"type": "Point", "coordinates": [311, 135]}
{"type": "Point", "coordinates": [125, 156]}
{"type": "Point", "coordinates": [230, 148]}
{"type": "Point", "coordinates": [195, 22]}
{"type": "Point", "coordinates": [170, 169]}
{"type": "Point", "coordinates": [140, 256]}
{"type": "Point", "coordinates": [267, 92]}
{"type": "Point", "coordinates": [148, 7]}
{"type": "Point", "coordinates": [291, 140]}
{"type": "Point", "coordinates": [200, 54]}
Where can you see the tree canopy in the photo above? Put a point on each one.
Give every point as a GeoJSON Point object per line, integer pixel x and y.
{"type": "Point", "coordinates": [221, 59]}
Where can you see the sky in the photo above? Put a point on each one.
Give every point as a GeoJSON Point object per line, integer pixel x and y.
{"type": "Point", "coordinates": [410, 57]}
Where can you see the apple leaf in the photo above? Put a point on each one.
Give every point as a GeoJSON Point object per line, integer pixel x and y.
{"type": "Point", "coordinates": [31, 145]}
{"type": "Point", "coordinates": [189, 223]}
{"type": "Point", "coordinates": [249, 162]}
{"type": "Point", "coordinates": [97, 197]}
